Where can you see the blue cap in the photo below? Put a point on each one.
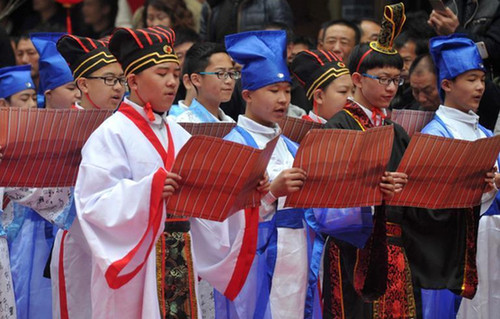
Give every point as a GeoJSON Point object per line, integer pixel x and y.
{"type": "Point", "coordinates": [54, 70]}
{"type": "Point", "coordinates": [14, 79]}
{"type": "Point", "coordinates": [263, 56]}
{"type": "Point", "coordinates": [453, 55]}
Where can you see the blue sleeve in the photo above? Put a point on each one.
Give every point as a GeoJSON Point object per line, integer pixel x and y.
{"type": "Point", "coordinates": [353, 225]}
{"type": "Point", "coordinates": [434, 128]}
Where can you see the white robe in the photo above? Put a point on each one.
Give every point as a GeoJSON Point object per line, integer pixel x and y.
{"type": "Point", "coordinates": [112, 195]}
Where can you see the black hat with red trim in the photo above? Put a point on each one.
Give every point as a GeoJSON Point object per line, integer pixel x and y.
{"type": "Point", "coordinates": [313, 68]}
{"type": "Point", "coordinates": [139, 49]}
{"type": "Point", "coordinates": [84, 55]}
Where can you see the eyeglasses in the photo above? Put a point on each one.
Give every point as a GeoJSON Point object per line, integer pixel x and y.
{"type": "Point", "coordinates": [398, 81]}
{"type": "Point", "coordinates": [110, 80]}
{"type": "Point", "coordinates": [223, 75]}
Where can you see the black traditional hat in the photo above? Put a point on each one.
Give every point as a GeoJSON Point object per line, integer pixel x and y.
{"type": "Point", "coordinates": [312, 68]}
{"type": "Point", "coordinates": [84, 55]}
{"type": "Point", "coordinates": [139, 49]}
{"type": "Point", "coordinates": [392, 23]}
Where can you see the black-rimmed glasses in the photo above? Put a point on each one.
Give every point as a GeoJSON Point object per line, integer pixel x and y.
{"type": "Point", "coordinates": [398, 81]}
{"type": "Point", "coordinates": [110, 80]}
{"type": "Point", "coordinates": [223, 75]}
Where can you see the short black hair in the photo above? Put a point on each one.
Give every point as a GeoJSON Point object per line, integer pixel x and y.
{"type": "Point", "coordinates": [307, 41]}
{"type": "Point", "coordinates": [373, 60]}
{"type": "Point", "coordinates": [184, 35]}
{"type": "Point", "coordinates": [198, 56]}
{"type": "Point", "coordinates": [281, 26]}
{"type": "Point", "coordinates": [344, 22]}
{"type": "Point", "coordinates": [423, 58]}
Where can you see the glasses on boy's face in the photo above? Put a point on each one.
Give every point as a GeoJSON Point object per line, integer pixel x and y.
{"type": "Point", "coordinates": [385, 81]}
{"type": "Point", "coordinates": [110, 80]}
{"type": "Point", "coordinates": [223, 75]}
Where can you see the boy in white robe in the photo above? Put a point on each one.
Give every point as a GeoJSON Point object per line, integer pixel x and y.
{"type": "Point", "coordinates": [142, 261]}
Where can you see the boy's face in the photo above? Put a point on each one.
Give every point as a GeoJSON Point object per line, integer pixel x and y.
{"type": "Point", "coordinates": [211, 89]}
{"type": "Point", "coordinates": [105, 96]}
{"type": "Point", "coordinates": [158, 85]}
{"type": "Point", "coordinates": [62, 97]}
{"type": "Point", "coordinates": [269, 104]}
{"type": "Point", "coordinates": [333, 98]}
{"type": "Point", "coordinates": [376, 94]}
{"type": "Point", "coordinates": [465, 92]}
{"type": "Point", "coordinates": [25, 99]}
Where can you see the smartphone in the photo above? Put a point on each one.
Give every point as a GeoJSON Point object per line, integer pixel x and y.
{"type": "Point", "coordinates": [437, 5]}
{"type": "Point", "coordinates": [483, 52]}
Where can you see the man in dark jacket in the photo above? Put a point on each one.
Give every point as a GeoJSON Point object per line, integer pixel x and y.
{"type": "Point", "coordinates": [222, 17]}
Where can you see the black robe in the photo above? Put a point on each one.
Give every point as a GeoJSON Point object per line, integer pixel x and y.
{"type": "Point", "coordinates": [434, 242]}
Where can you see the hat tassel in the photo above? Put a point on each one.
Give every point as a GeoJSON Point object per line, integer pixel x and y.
{"type": "Point", "coordinates": [148, 108]}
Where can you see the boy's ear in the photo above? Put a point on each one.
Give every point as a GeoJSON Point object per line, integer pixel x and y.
{"type": "Point", "coordinates": [81, 84]}
{"type": "Point", "coordinates": [4, 103]}
{"type": "Point", "coordinates": [48, 97]}
{"type": "Point", "coordinates": [195, 79]}
{"type": "Point", "coordinates": [356, 79]}
{"type": "Point", "coordinates": [132, 81]}
{"type": "Point", "coordinates": [246, 95]}
{"type": "Point", "coordinates": [446, 85]}
{"type": "Point", "coordinates": [318, 96]}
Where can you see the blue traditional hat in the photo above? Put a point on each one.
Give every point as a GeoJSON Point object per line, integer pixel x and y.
{"type": "Point", "coordinates": [453, 55]}
{"type": "Point", "coordinates": [263, 56]}
{"type": "Point", "coordinates": [54, 70]}
{"type": "Point", "coordinates": [14, 79]}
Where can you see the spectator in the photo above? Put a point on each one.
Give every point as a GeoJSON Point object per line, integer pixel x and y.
{"type": "Point", "coordinates": [369, 28]}
{"type": "Point", "coordinates": [222, 17]}
{"type": "Point", "coordinates": [169, 13]}
{"type": "Point", "coordinates": [26, 53]}
{"type": "Point", "coordinates": [100, 16]}
{"type": "Point", "coordinates": [340, 37]}
{"type": "Point", "coordinates": [423, 83]}
{"type": "Point", "coordinates": [49, 16]}
{"type": "Point", "coordinates": [479, 20]}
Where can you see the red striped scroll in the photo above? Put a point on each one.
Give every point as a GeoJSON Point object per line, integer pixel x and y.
{"type": "Point", "coordinates": [295, 128]}
{"type": "Point", "coordinates": [218, 177]}
{"type": "Point", "coordinates": [343, 167]}
{"type": "Point", "coordinates": [217, 129]}
{"type": "Point", "coordinates": [42, 147]}
{"type": "Point", "coordinates": [444, 172]}
{"type": "Point", "coordinates": [412, 121]}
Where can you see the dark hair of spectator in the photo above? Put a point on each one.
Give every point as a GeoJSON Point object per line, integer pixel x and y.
{"type": "Point", "coordinates": [373, 60]}
{"type": "Point", "coordinates": [198, 56]}
{"type": "Point", "coordinates": [360, 20]}
{"type": "Point", "coordinates": [344, 22]}
{"type": "Point", "coordinates": [423, 58]}
{"type": "Point", "coordinates": [417, 30]}
{"type": "Point", "coordinates": [113, 6]}
{"type": "Point", "coordinates": [183, 35]}
{"type": "Point", "coordinates": [307, 41]}
{"type": "Point", "coordinates": [176, 10]}
{"type": "Point", "coordinates": [281, 26]}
